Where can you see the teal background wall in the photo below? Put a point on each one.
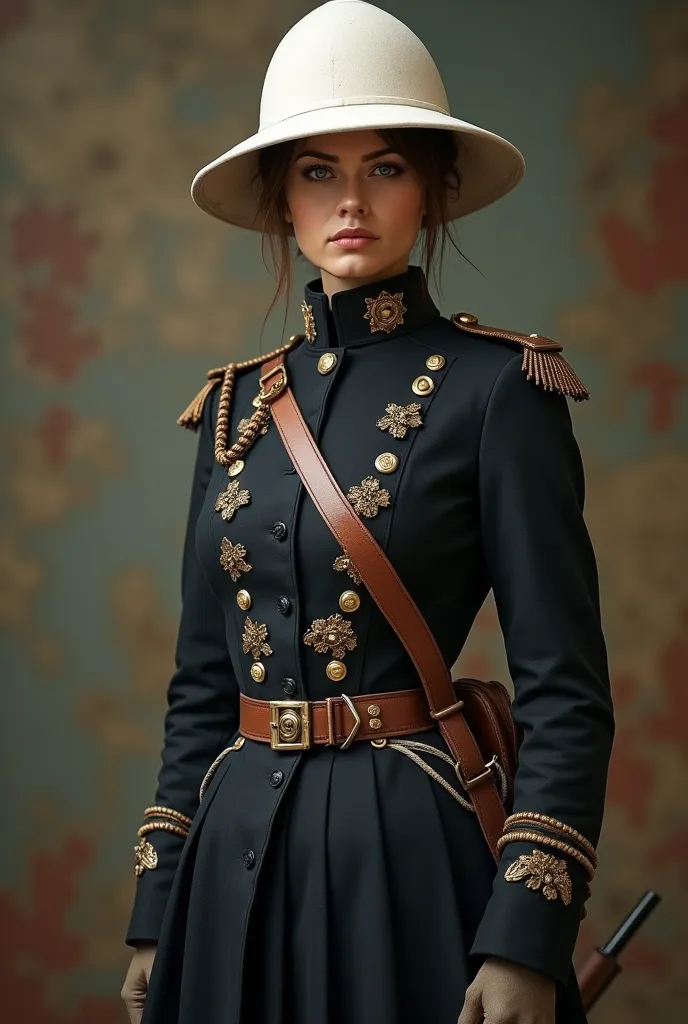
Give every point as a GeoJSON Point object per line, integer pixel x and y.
{"type": "Point", "coordinates": [116, 294]}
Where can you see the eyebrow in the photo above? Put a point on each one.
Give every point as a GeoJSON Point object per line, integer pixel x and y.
{"type": "Point", "coordinates": [335, 159]}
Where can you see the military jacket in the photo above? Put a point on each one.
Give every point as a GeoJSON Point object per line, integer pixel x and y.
{"type": "Point", "coordinates": [468, 475]}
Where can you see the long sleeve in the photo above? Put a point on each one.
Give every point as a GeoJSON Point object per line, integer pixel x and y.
{"type": "Point", "coordinates": [544, 577]}
{"type": "Point", "coordinates": [202, 708]}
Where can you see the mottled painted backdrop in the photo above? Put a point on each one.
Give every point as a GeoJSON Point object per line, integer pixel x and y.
{"type": "Point", "coordinates": [117, 294]}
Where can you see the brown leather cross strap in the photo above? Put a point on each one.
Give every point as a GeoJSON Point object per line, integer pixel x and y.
{"type": "Point", "coordinates": [390, 595]}
{"type": "Point", "coordinates": [336, 720]}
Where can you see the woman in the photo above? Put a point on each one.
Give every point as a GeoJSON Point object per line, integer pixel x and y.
{"type": "Point", "coordinates": [343, 882]}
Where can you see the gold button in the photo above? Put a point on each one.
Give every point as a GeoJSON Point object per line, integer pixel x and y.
{"type": "Point", "coordinates": [349, 601]}
{"type": "Point", "coordinates": [336, 670]}
{"type": "Point", "coordinates": [423, 385]}
{"type": "Point", "coordinates": [387, 462]}
{"type": "Point", "coordinates": [374, 710]}
{"type": "Point", "coordinates": [236, 468]}
{"type": "Point", "coordinates": [244, 600]}
{"type": "Point", "coordinates": [375, 723]}
{"type": "Point", "coordinates": [468, 318]}
{"type": "Point", "coordinates": [435, 362]}
{"type": "Point", "coordinates": [256, 401]}
{"type": "Point", "coordinates": [258, 671]}
{"type": "Point", "coordinates": [327, 362]}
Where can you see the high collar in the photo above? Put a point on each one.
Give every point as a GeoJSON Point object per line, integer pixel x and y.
{"type": "Point", "coordinates": [354, 321]}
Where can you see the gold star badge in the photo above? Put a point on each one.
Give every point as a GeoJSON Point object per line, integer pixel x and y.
{"type": "Point", "coordinates": [333, 633]}
{"type": "Point", "coordinates": [544, 871]}
{"type": "Point", "coordinates": [254, 637]}
{"type": "Point", "coordinates": [385, 312]}
{"type": "Point", "coordinates": [309, 321]}
{"type": "Point", "coordinates": [398, 418]}
{"type": "Point", "coordinates": [343, 563]}
{"type": "Point", "coordinates": [231, 499]}
{"type": "Point", "coordinates": [232, 559]}
{"type": "Point", "coordinates": [367, 497]}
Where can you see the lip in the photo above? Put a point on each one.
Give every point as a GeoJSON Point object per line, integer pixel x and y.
{"type": "Point", "coordinates": [353, 241]}
{"type": "Point", "coordinates": [353, 233]}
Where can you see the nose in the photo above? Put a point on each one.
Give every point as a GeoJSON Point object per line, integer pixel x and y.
{"type": "Point", "coordinates": [352, 203]}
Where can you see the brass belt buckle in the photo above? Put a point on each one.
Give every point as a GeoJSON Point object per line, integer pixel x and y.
{"type": "Point", "coordinates": [290, 725]}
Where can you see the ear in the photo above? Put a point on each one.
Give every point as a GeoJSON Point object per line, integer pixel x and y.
{"type": "Point", "coordinates": [287, 215]}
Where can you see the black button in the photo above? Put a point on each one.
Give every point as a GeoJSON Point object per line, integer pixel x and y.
{"type": "Point", "coordinates": [248, 859]}
{"type": "Point", "coordinates": [289, 685]}
{"type": "Point", "coordinates": [279, 531]}
{"type": "Point", "coordinates": [283, 605]}
{"type": "Point", "coordinates": [276, 779]}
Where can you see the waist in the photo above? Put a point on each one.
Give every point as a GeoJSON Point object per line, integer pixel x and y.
{"type": "Point", "coordinates": [336, 721]}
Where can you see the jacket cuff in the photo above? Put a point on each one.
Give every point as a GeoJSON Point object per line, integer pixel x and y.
{"type": "Point", "coordinates": [520, 924]}
{"type": "Point", "coordinates": [153, 888]}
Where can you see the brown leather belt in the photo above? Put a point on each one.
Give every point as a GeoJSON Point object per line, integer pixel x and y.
{"type": "Point", "coordinates": [336, 721]}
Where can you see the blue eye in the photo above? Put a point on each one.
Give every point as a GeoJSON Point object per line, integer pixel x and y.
{"type": "Point", "coordinates": [315, 167]}
{"type": "Point", "coordinates": [394, 168]}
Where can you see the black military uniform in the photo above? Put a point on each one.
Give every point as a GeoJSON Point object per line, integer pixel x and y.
{"type": "Point", "coordinates": [350, 886]}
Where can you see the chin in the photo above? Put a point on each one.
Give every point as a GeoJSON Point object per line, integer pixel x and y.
{"type": "Point", "coordinates": [352, 265]}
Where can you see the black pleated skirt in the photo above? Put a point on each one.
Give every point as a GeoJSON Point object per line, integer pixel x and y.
{"type": "Point", "coordinates": [372, 882]}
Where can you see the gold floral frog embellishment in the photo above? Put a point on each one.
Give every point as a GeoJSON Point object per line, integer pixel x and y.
{"type": "Point", "coordinates": [231, 499]}
{"type": "Point", "coordinates": [385, 312]}
{"type": "Point", "coordinates": [546, 872]}
{"type": "Point", "coordinates": [368, 497]}
{"type": "Point", "coordinates": [232, 559]}
{"type": "Point", "coordinates": [254, 637]}
{"type": "Point", "coordinates": [399, 418]}
{"type": "Point", "coordinates": [333, 633]}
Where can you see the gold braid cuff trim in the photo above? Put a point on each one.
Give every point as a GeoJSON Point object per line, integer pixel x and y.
{"type": "Point", "coordinates": [167, 812]}
{"type": "Point", "coordinates": [162, 826]}
{"type": "Point", "coordinates": [531, 836]}
{"type": "Point", "coordinates": [542, 358]}
{"type": "Point", "coordinates": [535, 819]}
{"type": "Point", "coordinates": [191, 417]}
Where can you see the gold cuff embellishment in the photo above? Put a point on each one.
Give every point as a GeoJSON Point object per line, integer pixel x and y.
{"type": "Point", "coordinates": [542, 871]}
{"type": "Point", "coordinates": [146, 858]}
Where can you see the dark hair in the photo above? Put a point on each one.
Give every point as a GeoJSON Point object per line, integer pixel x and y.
{"type": "Point", "coordinates": [431, 152]}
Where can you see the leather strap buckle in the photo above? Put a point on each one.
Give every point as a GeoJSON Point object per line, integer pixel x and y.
{"type": "Point", "coordinates": [290, 725]}
{"type": "Point", "coordinates": [469, 784]}
{"type": "Point", "coordinates": [277, 387]}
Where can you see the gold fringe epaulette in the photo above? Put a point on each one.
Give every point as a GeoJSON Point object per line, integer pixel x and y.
{"type": "Point", "coordinates": [193, 413]}
{"type": "Point", "coordinates": [191, 416]}
{"type": "Point", "coordinates": [542, 358]}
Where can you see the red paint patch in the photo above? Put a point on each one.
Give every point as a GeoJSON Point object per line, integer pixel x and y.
{"type": "Point", "coordinates": [52, 342]}
{"type": "Point", "coordinates": [55, 431]}
{"type": "Point", "coordinates": [632, 778]}
{"type": "Point", "coordinates": [47, 236]}
{"type": "Point", "coordinates": [644, 263]}
{"type": "Point", "coordinates": [13, 15]}
{"type": "Point", "coordinates": [39, 944]}
{"type": "Point", "coordinates": [665, 383]}
{"type": "Point", "coordinates": [672, 725]}
{"type": "Point", "coordinates": [672, 852]}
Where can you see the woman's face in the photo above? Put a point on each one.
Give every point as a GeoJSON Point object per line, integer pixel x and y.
{"type": "Point", "coordinates": [353, 180]}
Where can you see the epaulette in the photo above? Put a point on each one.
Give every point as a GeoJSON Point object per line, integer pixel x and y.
{"type": "Point", "coordinates": [542, 358]}
{"type": "Point", "coordinates": [192, 415]}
